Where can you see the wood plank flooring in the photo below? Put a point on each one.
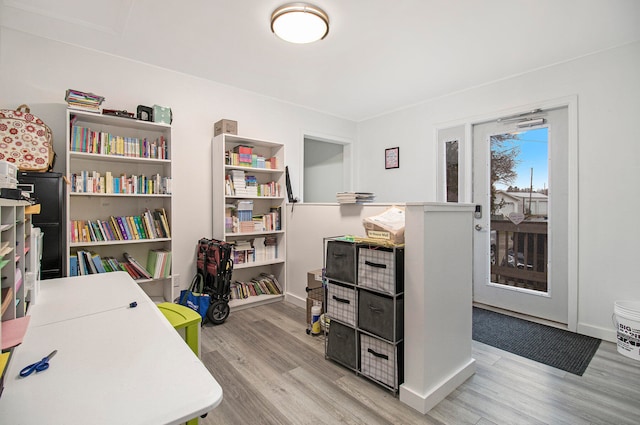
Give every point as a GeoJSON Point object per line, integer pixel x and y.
{"type": "Point", "coordinates": [272, 372]}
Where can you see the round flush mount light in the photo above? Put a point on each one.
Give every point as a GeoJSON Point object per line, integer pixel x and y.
{"type": "Point", "coordinates": [300, 23]}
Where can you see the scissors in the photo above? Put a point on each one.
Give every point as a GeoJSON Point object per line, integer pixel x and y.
{"type": "Point", "coordinates": [38, 366]}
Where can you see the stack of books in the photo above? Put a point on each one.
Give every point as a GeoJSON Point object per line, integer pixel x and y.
{"type": "Point", "coordinates": [242, 252]}
{"type": "Point", "coordinates": [354, 197]}
{"type": "Point", "coordinates": [244, 210]}
{"type": "Point", "coordinates": [245, 155]}
{"type": "Point", "coordinates": [84, 101]}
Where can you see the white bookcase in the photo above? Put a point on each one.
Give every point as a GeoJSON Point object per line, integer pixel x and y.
{"type": "Point", "coordinates": [273, 263]}
{"type": "Point", "coordinates": [132, 153]}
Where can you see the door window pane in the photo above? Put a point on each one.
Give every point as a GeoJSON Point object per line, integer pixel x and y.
{"type": "Point", "coordinates": [452, 170]}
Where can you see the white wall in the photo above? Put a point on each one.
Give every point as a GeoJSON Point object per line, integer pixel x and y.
{"type": "Point", "coordinates": [607, 86]}
{"type": "Point", "coordinates": [37, 71]}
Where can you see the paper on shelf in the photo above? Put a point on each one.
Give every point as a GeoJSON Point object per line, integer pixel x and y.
{"type": "Point", "coordinates": [13, 331]}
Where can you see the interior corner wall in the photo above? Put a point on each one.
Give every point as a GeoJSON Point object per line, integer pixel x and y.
{"type": "Point", "coordinates": [607, 88]}
{"type": "Point", "coordinates": [38, 71]}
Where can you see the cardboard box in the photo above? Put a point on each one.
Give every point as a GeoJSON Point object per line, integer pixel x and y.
{"type": "Point", "coordinates": [386, 226]}
{"type": "Point", "coordinates": [314, 279]}
{"type": "Point", "coordinates": [225, 126]}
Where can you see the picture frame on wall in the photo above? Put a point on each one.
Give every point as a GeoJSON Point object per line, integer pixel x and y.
{"type": "Point", "coordinates": [392, 158]}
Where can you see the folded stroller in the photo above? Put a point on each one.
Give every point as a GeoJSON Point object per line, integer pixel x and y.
{"type": "Point", "coordinates": [215, 267]}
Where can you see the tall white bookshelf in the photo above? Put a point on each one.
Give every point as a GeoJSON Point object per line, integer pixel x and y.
{"type": "Point", "coordinates": [272, 175]}
{"type": "Point", "coordinates": [138, 152]}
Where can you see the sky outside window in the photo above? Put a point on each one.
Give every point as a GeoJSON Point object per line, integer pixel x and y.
{"type": "Point", "coordinates": [534, 154]}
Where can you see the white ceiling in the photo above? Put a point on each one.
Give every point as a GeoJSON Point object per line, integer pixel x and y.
{"type": "Point", "coordinates": [380, 55]}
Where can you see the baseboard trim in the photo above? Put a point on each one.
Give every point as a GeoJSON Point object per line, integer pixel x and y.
{"type": "Point", "coordinates": [438, 392]}
{"type": "Point", "coordinates": [604, 334]}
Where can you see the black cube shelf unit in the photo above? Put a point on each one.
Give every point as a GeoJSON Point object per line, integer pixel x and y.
{"type": "Point", "coordinates": [365, 303]}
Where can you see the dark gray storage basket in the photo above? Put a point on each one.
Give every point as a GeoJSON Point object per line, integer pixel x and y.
{"type": "Point", "coordinates": [341, 345]}
{"type": "Point", "coordinates": [375, 314]}
{"type": "Point", "coordinates": [341, 261]}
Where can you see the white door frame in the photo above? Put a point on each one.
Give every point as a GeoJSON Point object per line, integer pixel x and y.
{"type": "Point", "coordinates": [465, 183]}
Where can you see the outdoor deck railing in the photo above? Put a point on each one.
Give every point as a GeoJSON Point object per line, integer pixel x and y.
{"type": "Point", "coordinates": [519, 257]}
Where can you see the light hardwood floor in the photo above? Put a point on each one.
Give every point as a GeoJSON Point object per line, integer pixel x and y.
{"type": "Point", "coordinates": [272, 372]}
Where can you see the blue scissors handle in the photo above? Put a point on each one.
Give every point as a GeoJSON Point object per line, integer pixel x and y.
{"type": "Point", "coordinates": [37, 366]}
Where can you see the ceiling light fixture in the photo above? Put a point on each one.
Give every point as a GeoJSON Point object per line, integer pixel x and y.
{"type": "Point", "coordinates": [300, 23]}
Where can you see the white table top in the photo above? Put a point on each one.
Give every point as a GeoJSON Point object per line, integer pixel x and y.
{"type": "Point", "coordinates": [73, 297]}
{"type": "Point", "coordinates": [117, 365]}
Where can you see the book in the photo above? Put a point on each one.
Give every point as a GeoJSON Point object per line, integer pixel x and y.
{"type": "Point", "coordinates": [97, 261]}
{"type": "Point", "coordinates": [164, 222]}
{"type": "Point", "coordinates": [73, 265]}
{"type": "Point", "coordinates": [137, 266]}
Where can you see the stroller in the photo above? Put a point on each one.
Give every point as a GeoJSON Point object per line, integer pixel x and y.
{"type": "Point", "coordinates": [215, 267]}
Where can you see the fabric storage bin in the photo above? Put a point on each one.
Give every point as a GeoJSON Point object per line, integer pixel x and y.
{"type": "Point", "coordinates": [342, 303]}
{"type": "Point", "coordinates": [375, 314]}
{"type": "Point", "coordinates": [381, 360]}
{"type": "Point", "coordinates": [341, 345]}
{"type": "Point", "coordinates": [341, 261]}
{"type": "Point", "coordinates": [381, 268]}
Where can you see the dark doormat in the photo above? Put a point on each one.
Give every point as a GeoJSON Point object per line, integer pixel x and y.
{"type": "Point", "coordinates": [561, 349]}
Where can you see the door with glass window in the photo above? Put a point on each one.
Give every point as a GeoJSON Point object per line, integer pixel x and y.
{"type": "Point", "coordinates": [520, 189]}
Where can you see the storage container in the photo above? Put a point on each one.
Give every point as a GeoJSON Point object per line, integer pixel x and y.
{"type": "Point", "coordinates": [376, 315]}
{"type": "Point", "coordinates": [225, 126]}
{"type": "Point", "coordinates": [341, 261]}
{"type": "Point", "coordinates": [380, 360]}
{"type": "Point", "coordinates": [8, 169]}
{"type": "Point", "coordinates": [341, 345]}
{"type": "Point", "coordinates": [8, 182]}
{"type": "Point", "coordinates": [381, 268]}
{"type": "Point", "coordinates": [342, 303]}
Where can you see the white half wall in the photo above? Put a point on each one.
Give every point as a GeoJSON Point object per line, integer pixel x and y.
{"type": "Point", "coordinates": [607, 87]}
{"type": "Point", "coordinates": [307, 226]}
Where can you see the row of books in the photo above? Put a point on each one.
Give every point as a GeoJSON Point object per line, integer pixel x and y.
{"type": "Point", "coordinates": [265, 284]}
{"type": "Point", "coordinates": [238, 184]}
{"type": "Point", "coordinates": [149, 225]}
{"type": "Point", "coordinates": [243, 156]}
{"type": "Point", "coordinates": [96, 182]}
{"type": "Point", "coordinates": [81, 100]}
{"type": "Point", "coordinates": [87, 262]}
{"type": "Point", "coordinates": [238, 222]}
{"type": "Point", "coordinates": [101, 142]}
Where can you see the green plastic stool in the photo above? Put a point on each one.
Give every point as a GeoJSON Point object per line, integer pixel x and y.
{"type": "Point", "coordinates": [183, 317]}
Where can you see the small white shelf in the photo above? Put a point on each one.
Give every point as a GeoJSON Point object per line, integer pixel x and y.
{"type": "Point", "coordinates": [245, 234]}
{"type": "Point", "coordinates": [277, 198]}
{"type": "Point", "coordinates": [253, 169]}
{"type": "Point", "coordinates": [118, 242]}
{"type": "Point", "coordinates": [122, 195]}
{"type": "Point", "coordinates": [254, 301]}
{"type": "Point", "coordinates": [115, 158]}
{"type": "Point", "coordinates": [258, 264]}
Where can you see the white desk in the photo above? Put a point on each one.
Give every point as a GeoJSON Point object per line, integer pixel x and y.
{"type": "Point", "coordinates": [115, 364]}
